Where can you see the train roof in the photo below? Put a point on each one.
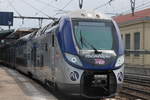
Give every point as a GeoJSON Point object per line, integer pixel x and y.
{"type": "Point", "coordinates": [87, 14]}
{"type": "Point", "coordinates": [25, 37]}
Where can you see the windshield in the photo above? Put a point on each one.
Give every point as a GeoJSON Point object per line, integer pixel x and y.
{"type": "Point", "coordinates": [97, 35]}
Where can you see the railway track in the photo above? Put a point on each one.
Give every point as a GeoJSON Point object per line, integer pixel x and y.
{"type": "Point", "coordinates": [136, 87]}
{"type": "Point", "coordinates": [138, 81]}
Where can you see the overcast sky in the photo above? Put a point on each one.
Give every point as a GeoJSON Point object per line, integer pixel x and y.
{"type": "Point", "coordinates": [51, 7]}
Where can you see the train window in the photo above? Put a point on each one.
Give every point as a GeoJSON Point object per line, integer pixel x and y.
{"type": "Point", "coordinates": [34, 56]}
{"type": "Point", "coordinates": [28, 56]}
{"type": "Point", "coordinates": [46, 47]}
{"type": "Point", "coordinates": [102, 36]}
{"type": "Point", "coordinates": [53, 40]}
{"type": "Point", "coordinates": [42, 60]}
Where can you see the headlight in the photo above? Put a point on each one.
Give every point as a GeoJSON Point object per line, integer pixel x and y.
{"type": "Point", "coordinates": [119, 61]}
{"type": "Point", "coordinates": [73, 58]}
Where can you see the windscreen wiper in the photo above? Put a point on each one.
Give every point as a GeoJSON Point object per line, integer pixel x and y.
{"type": "Point", "coordinates": [95, 50]}
{"type": "Point", "coordinates": [81, 39]}
{"type": "Point", "coordinates": [84, 42]}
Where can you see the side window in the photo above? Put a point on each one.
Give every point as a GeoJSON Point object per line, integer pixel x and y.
{"type": "Point", "coordinates": [28, 56]}
{"type": "Point", "coordinates": [127, 43]}
{"type": "Point", "coordinates": [136, 42]}
{"type": "Point", "coordinates": [53, 40]}
{"type": "Point", "coordinates": [42, 61]}
{"type": "Point", "coordinates": [46, 47]}
{"type": "Point", "coordinates": [34, 56]}
{"type": "Point", "coordinates": [53, 37]}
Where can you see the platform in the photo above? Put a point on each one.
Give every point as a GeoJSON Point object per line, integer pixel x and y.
{"type": "Point", "coordinates": [15, 86]}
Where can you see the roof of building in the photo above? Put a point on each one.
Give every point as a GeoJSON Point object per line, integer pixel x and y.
{"type": "Point", "coordinates": [128, 17]}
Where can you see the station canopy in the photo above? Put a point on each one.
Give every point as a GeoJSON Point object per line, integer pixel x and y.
{"type": "Point", "coordinates": [5, 33]}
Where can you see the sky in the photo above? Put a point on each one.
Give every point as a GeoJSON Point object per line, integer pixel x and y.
{"type": "Point", "coordinates": [52, 8]}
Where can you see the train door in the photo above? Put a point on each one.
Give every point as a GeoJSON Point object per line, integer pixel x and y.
{"type": "Point", "coordinates": [14, 57]}
{"type": "Point", "coordinates": [33, 59]}
{"type": "Point", "coordinates": [52, 56]}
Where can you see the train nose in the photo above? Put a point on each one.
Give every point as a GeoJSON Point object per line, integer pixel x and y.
{"type": "Point", "coordinates": [98, 84]}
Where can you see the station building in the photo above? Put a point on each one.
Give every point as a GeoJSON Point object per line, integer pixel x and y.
{"type": "Point", "coordinates": [135, 32]}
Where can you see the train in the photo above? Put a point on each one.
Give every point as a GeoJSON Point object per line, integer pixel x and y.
{"type": "Point", "coordinates": [81, 54]}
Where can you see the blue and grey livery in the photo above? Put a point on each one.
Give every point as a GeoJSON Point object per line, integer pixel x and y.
{"type": "Point", "coordinates": [81, 54]}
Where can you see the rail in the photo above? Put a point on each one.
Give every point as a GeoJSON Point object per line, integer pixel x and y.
{"type": "Point", "coordinates": [136, 87]}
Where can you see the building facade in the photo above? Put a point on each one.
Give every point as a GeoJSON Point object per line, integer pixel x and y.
{"type": "Point", "coordinates": [135, 32]}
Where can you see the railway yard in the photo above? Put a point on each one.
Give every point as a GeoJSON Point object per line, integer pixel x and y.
{"type": "Point", "coordinates": [15, 86]}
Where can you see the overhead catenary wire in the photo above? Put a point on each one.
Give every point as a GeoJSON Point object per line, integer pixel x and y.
{"type": "Point", "coordinates": [62, 9]}
{"type": "Point", "coordinates": [142, 6]}
{"type": "Point", "coordinates": [67, 4]}
{"type": "Point", "coordinates": [38, 10]}
{"type": "Point", "coordinates": [103, 5]}
{"type": "Point", "coordinates": [49, 5]}
{"type": "Point", "coordinates": [138, 7]}
{"type": "Point", "coordinates": [10, 3]}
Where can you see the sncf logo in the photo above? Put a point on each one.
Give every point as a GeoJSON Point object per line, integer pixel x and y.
{"type": "Point", "coordinates": [74, 76]}
{"type": "Point", "coordinates": [99, 61]}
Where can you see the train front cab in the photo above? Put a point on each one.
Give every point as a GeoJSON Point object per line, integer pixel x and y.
{"type": "Point", "coordinates": [90, 83]}
{"type": "Point", "coordinates": [89, 68]}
